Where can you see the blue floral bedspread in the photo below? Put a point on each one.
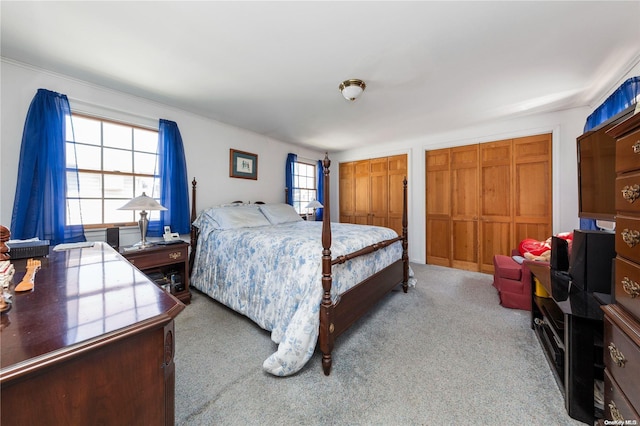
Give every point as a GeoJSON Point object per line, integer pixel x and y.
{"type": "Point", "coordinates": [272, 275]}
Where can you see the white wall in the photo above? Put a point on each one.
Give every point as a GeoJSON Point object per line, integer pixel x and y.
{"type": "Point", "coordinates": [206, 142]}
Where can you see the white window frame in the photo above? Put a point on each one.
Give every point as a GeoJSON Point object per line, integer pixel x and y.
{"type": "Point", "coordinates": [305, 186]}
{"type": "Point", "coordinates": [72, 196]}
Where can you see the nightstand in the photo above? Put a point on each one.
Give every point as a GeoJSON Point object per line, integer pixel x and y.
{"type": "Point", "coordinates": [166, 265]}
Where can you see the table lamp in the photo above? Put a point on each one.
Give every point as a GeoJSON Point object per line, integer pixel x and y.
{"type": "Point", "coordinates": [315, 204]}
{"type": "Point", "coordinates": [143, 203]}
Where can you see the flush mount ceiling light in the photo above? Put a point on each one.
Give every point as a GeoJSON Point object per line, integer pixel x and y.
{"type": "Point", "coordinates": [352, 88]}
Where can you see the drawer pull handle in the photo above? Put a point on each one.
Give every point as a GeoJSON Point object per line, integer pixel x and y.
{"type": "Point", "coordinates": [631, 193]}
{"type": "Point", "coordinates": [175, 255]}
{"type": "Point", "coordinates": [616, 355]}
{"type": "Point", "coordinates": [630, 237]}
{"type": "Point", "coordinates": [630, 287]}
{"type": "Point", "coordinates": [636, 147]}
{"type": "Point", "coordinates": [615, 413]}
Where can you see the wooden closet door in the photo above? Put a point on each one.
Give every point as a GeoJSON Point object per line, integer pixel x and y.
{"type": "Point", "coordinates": [464, 207]}
{"type": "Point", "coordinates": [397, 172]}
{"type": "Point", "coordinates": [347, 192]}
{"type": "Point", "coordinates": [496, 206]}
{"type": "Point", "coordinates": [438, 183]}
{"type": "Point", "coordinates": [533, 188]}
{"type": "Point", "coordinates": [362, 186]}
{"type": "Point", "coordinates": [379, 191]}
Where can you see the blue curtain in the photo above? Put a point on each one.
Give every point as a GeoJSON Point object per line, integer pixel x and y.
{"type": "Point", "coordinates": [174, 184]}
{"type": "Point", "coordinates": [618, 101]}
{"type": "Point", "coordinates": [289, 171]}
{"type": "Point", "coordinates": [623, 97]}
{"type": "Point", "coordinates": [320, 190]}
{"type": "Point", "coordinates": [39, 208]}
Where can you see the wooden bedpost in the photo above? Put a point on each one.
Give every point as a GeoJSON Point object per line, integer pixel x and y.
{"type": "Point", "coordinates": [405, 239]}
{"type": "Point", "coordinates": [194, 233]}
{"type": "Point", "coordinates": [326, 336]}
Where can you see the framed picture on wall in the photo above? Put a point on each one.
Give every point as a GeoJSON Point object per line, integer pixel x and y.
{"type": "Point", "coordinates": [243, 165]}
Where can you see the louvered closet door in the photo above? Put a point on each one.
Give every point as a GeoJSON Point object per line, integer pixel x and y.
{"type": "Point", "coordinates": [438, 182]}
{"type": "Point", "coordinates": [464, 207]}
{"type": "Point", "coordinates": [496, 211]}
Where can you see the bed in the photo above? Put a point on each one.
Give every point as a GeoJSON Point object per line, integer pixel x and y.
{"type": "Point", "coordinates": [305, 282]}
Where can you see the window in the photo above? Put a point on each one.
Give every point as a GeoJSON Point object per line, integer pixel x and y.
{"type": "Point", "coordinates": [304, 186]}
{"type": "Point", "coordinates": [115, 162]}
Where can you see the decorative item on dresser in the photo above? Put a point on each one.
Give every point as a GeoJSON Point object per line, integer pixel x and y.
{"type": "Point", "coordinates": [622, 317]}
{"type": "Point", "coordinates": [368, 263]}
{"type": "Point", "coordinates": [5, 234]}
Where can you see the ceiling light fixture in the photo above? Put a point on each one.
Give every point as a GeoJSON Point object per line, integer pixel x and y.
{"type": "Point", "coordinates": [352, 89]}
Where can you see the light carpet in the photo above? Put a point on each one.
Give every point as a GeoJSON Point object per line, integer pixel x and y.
{"type": "Point", "coordinates": [444, 353]}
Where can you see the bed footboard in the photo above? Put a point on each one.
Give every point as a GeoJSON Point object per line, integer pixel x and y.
{"type": "Point", "coordinates": [352, 304]}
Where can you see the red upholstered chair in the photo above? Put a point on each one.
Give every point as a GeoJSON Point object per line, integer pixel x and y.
{"type": "Point", "coordinates": [513, 282]}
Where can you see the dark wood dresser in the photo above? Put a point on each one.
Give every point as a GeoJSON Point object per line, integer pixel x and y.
{"type": "Point", "coordinates": [93, 343]}
{"type": "Point", "coordinates": [622, 318]}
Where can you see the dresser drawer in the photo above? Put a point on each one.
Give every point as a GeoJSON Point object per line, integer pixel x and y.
{"type": "Point", "coordinates": [628, 286]}
{"type": "Point", "coordinates": [627, 193]}
{"type": "Point", "coordinates": [628, 153]}
{"type": "Point", "coordinates": [628, 237]}
{"type": "Point", "coordinates": [622, 359]}
{"type": "Point", "coordinates": [152, 258]}
{"type": "Point", "coordinates": [616, 405]}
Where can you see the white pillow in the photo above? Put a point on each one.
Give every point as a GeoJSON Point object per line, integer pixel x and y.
{"type": "Point", "coordinates": [280, 213]}
{"type": "Point", "coordinates": [237, 217]}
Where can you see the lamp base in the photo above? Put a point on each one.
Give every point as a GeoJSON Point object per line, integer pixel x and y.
{"type": "Point", "coordinates": [144, 244]}
{"type": "Point", "coordinates": [143, 223]}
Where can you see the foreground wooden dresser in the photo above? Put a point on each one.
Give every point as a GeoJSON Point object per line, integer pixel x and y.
{"type": "Point", "coordinates": [93, 343]}
{"type": "Point", "coordinates": [622, 319]}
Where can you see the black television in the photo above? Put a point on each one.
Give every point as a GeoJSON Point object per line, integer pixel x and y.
{"type": "Point", "coordinates": [592, 254]}
{"type": "Point", "coordinates": [597, 170]}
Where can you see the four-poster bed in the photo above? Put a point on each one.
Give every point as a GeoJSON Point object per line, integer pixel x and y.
{"type": "Point", "coordinates": [363, 271]}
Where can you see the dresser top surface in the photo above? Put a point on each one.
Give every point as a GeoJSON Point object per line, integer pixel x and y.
{"type": "Point", "coordinates": [80, 296]}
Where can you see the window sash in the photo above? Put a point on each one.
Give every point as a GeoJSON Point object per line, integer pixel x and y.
{"type": "Point", "coordinates": [304, 186]}
{"type": "Point", "coordinates": [115, 165]}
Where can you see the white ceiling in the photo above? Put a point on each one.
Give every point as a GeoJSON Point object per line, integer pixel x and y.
{"type": "Point", "coordinates": [274, 67]}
